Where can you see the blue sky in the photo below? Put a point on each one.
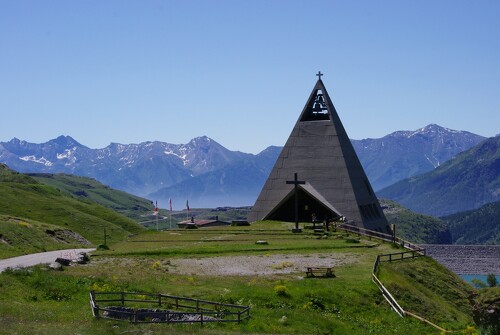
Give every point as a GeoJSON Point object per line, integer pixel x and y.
{"type": "Point", "coordinates": [240, 72]}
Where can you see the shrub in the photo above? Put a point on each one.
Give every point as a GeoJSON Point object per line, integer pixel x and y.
{"type": "Point", "coordinates": [281, 291]}
{"type": "Point", "coordinates": [491, 280]}
{"type": "Point", "coordinates": [314, 302]}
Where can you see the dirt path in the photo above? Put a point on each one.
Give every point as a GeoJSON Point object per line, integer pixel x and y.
{"type": "Point", "coordinates": [40, 258]}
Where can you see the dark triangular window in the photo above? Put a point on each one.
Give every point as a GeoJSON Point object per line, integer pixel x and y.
{"type": "Point", "coordinates": [317, 108]}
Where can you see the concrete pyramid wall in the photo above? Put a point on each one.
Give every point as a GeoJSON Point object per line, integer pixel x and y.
{"type": "Point", "coordinates": [322, 155]}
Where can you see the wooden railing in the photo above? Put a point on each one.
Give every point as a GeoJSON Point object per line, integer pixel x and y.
{"type": "Point", "coordinates": [390, 258]}
{"type": "Point", "coordinates": [401, 255]}
{"type": "Point", "coordinates": [377, 235]}
{"type": "Point", "coordinates": [186, 309]}
{"type": "Point", "coordinates": [414, 251]}
{"type": "Point", "coordinates": [365, 232]}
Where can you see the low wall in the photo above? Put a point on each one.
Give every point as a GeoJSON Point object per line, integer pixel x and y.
{"type": "Point", "coordinates": [467, 259]}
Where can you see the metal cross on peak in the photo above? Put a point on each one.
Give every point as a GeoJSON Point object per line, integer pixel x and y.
{"type": "Point", "coordinates": [319, 74]}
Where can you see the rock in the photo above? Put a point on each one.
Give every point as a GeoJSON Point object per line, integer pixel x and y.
{"type": "Point", "coordinates": [63, 261]}
{"type": "Point", "coordinates": [82, 258]}
{"type": "Point", "coordinates": [55, 266]}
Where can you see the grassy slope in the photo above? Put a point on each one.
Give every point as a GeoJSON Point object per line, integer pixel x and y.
{"type": "Point", "coordinates": [348, 304]}
{"type": "Point", "coordinates": [426, 288]}
{"type": "Point", "coordinates": [87, 189]}
{"type": "Point", "coordinates": [23, 236]}
{"type": "Point", "coordinates": [24, 199]}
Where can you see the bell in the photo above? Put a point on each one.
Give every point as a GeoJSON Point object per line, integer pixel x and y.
{"type": "Point", "coordinates": [317, 107]}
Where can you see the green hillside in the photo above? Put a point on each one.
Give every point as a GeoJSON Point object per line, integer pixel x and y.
{"type": "Point", "coordinates": [45, 210]}
{"type": "Point", "coordinates": [88, 189]}
{"type": "Point", "coordinates": [479, 226]}
{"type": "Point", "coordinates": [415, 227]}
{"type": "Point", "coordinates": [466, 182]}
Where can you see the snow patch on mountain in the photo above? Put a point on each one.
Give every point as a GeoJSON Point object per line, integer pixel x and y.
{"type": "Point", "coordinates": [67, 154]}
{"type": "Point", "coordinates": [182, 157]}
{"type": "Point", "coordinates": [33, 159]}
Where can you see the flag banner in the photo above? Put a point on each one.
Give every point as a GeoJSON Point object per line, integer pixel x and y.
{"type": "Point", "coordinates": [187, 204]}
{"type": "Point", "coordinates": [170, 202]}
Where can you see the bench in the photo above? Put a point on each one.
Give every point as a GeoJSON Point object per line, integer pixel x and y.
{"type": "Point", "coordinates": [320, 272]}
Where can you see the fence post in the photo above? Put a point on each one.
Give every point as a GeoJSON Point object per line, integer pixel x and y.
{"type": "Point", "coordinates": [123, 298]}
{"type": "Point", "coordinates": [95, 308]}
{"type": "Point", "coordinates": [159, 300]}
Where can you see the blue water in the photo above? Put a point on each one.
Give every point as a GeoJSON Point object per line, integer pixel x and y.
{"type": "Point", "coordinates": [468, 278]}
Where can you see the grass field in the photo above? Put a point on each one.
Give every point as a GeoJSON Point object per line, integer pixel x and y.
{"type": "Point", "coordinates": [39, 301]}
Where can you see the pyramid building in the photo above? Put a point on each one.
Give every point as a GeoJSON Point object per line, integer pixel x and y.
{"type": "Point", "coordinates": [334, 184]}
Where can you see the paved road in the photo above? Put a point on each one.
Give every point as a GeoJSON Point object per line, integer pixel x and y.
{"type": "Point", "coordinates": [40, 258]}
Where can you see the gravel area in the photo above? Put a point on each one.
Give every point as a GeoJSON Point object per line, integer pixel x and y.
{"type": "Point", "coordinates": [257, 265]}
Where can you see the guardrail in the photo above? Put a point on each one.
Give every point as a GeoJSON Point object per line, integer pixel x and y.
{"type": "Point", "coordinates": [187, 310]}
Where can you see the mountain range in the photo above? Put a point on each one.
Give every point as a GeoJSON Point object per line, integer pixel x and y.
{"type": "Point", "coordinates": [469, 181]}
{"type": "Point", "coordinates": [404, 154]}
{"type": "Point", "coordinates": [209, 175]}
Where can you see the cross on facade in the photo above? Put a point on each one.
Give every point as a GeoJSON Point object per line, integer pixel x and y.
{"type": "Point", "coordinates": [296, 184]}
{"type": "Point", "coordinates": [319, 74]}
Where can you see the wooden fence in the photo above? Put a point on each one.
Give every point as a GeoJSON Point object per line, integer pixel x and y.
{"type": "Point", "coordinates": [378, 235]}
{"type": "Point", "coordinates": [178, 309]}
{"type": "Point", "coordinates": [414, 251]}
{"type": "Point", "coordinates": [390, 258]}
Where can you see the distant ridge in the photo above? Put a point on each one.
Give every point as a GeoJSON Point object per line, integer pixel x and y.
{"type": "Point", "coordinates": [478, 226]}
